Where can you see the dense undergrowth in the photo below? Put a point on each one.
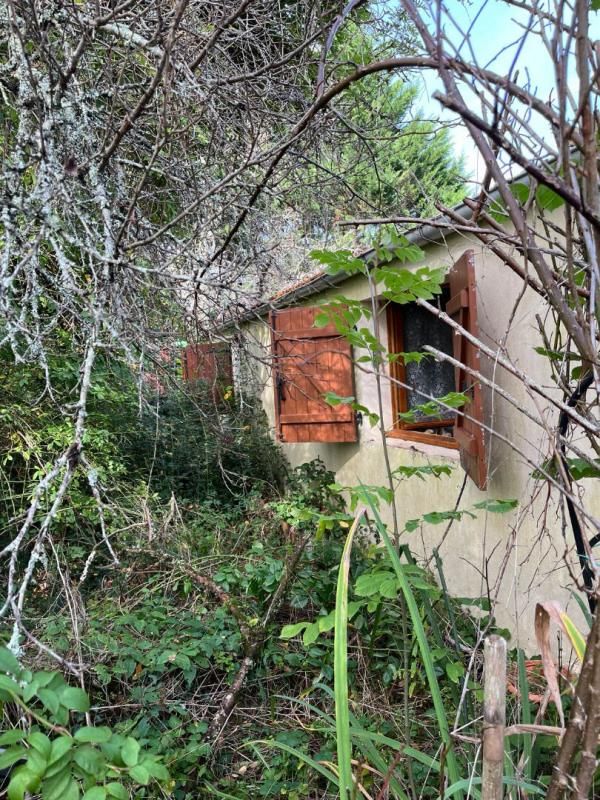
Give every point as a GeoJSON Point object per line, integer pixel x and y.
{"type": "Point", "coordinates": [226, 587]}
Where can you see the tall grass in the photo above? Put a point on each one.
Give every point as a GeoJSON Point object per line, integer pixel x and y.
{"type": "Point", "coordinates": [340, 647]}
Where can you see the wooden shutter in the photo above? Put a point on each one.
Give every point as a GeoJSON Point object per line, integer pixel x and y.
{"type": "Point", "coordinates": [462, 307]}
{"type": "Point", "coordinates": [209, 362]}
{"type": "Point", "coordinates": [307, 362]}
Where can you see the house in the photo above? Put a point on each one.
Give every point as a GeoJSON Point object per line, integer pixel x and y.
{"type": "Point", "coordinates": [492, 444]}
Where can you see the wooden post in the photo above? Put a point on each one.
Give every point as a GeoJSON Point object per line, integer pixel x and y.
{"type": "Point", "coordinates": [494, 716]}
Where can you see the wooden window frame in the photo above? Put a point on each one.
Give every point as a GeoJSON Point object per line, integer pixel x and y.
{"type": "Point", "coordinates": [409, 431]}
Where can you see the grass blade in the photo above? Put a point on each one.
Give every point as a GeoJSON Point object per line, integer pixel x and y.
{"type": "Point", "coordinates": [413, 610]}
{"type": "Point", "coordinates": [523, 786]}
{"type": "Point", "coordinates": [316, 765]}
{"type": "Point", "coordinates": [525, 714]}
{"type": "Point", "coordinates": [340, 651]}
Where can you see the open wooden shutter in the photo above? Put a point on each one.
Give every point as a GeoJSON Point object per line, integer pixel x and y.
{"type": "Point", "coordinates": [462, 307]}
{"type": "Point", "coordinates": [209, 362]}
{"type": "Point", "coordinates": [307, 362]}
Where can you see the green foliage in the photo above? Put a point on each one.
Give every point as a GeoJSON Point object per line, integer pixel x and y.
{"type": "Point", "coordinates": [94, 761]}
{"type": "Point", "coordinates": [497, 506]}
{"type": "Point", "coordinates": [435, 408]}
{"type": "Point", "coordinates": [437, 470]}
{"type": "Point", "coordinates": [333, 399]}
{"type": "Point", "coordinates": [579, 468]}
{"type": "Point", "coordinates": [338, 261]}
{"type": "Point", "coordinates": [546, 199]}
{"type": "Point", "coordinates": [195, 448]}
{"type": "Point", "coordinates": [400, 162]}
{"type": "Point", "coordinates": [34, 431]}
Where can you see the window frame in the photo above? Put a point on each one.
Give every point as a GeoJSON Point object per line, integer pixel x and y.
{"type": "Point", "coordinates": [409, 431]}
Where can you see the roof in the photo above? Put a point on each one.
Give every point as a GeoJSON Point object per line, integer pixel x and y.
{"type": "Point", "coordinates": [319, 281]}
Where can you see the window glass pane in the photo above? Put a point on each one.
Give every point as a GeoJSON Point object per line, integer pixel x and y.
{"type": "Point", "coordinates": [433, 378]}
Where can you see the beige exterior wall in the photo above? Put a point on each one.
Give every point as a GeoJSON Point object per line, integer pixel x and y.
{"type": "Point", "coordinates": [519, 556]}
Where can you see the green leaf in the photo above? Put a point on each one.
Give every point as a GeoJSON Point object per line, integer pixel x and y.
{"type": "Point", "coordinates": [311, 634]}
{"type": "Point", "coordinates": [339, 261]}
{"type": "Point", "coordinates": [8, 685]}
{"type": "Point", "coordinates": [333, 399]}
{"type": "Point", "coordinates": [49, 699]}
{"type": "Point", "coordinates": [583, 468]}
{"type": "Point", "coordinates": [140, 774]}
{"type": "Point", "coordinates": [63, 763]}
{"type": "Point", "coordinates": [8, 663]}
{"type": "Point", "coordinates": [130, 752]}
{"type": "Point", "coordinates": [23, 781]}
{"type": "Point", "coordinates": [55, 786]}
{"type": "Point", "coordinates": [521, 192]}
{"type": "Point", "coordinates": [60, 746]}
{"type": "Point", "coordinates": [405, 286]}
{"type": "Point", "coordinates": [311, 762]}
{"type": "Point", "coordinates": [547, 199]}
{"type": "Point", "coordinates": [12, 736]}
{"type": "Point", "coordinates": [156, 770]}
{"type": "Point", "coordinates": [72, 791]}
{"type": "Point", "coordinates": [75, 699]}
{"type": "Point", "coordinates": [326, 622]}
{"type": "Point", "coordinates": [498, 212]}
{"type": "Point", "coordinates": [455, 670]}
{"type": "Point", "coordinates": [437, 517]}
{"type": "Point", "coordinates": [413, 357]}
{"type": "Point", "coordinates": [44, 678]}
{"type": "Point", "coordinates": [10, 757]}
{"type": "Point", "coordinates": [289, 631]}
{"type": "Point", "coordinates": [437, 470]}
{"type": "Point", "coordinates": [93, 735]}
{"type": "Point", "coordinates": [89, 759]}
{"type": "Point", "coordinates": [340, 650]}
{"type": "Point", "coordinates": [370, 583]}
{"type": "Point", "coordinates": [41, 743]}
{"type": "Point", "coordinates": [95, 793]}
{"type": "Point", "coordinates": [466, 783]}
{"type": "Point", "coordinates": [117, 790]}
{"type": "Point", "coordinates": [497, 506]}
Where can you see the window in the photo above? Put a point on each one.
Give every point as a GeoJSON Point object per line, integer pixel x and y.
{"type": "Point", "coordinates": [410, 328]}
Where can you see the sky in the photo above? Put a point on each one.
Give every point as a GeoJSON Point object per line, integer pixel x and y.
{"type": "Point", "coordinates": [496, 31]}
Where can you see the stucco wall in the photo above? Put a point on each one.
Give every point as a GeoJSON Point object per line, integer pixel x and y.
{"type": "Point", "coordinates": [517, 557]}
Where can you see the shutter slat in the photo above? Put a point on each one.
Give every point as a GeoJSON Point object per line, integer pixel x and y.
{"type": "Point", "coordinates": [468, 430]}
{"type": "Point", "coordinates": [307, 363]}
